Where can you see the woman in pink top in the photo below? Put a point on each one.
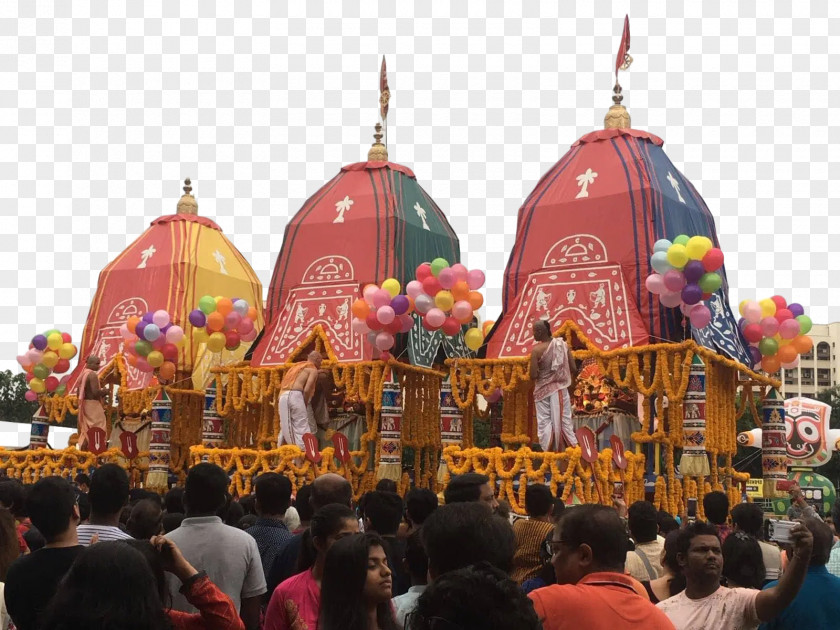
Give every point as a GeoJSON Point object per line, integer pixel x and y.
{"type": "Point", "coordinates": [296, 603]}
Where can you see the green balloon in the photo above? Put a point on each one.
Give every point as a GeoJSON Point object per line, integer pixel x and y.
{"type": "Point", "coordinates": [805, 324]}
{"type": "Point", "coordinates": [207, 304]}
{"type": "Point", "coordinates": [768, 347]}
{"type": "Point", "coordinates": [143, 348]}
{"type": "Point", "coordinates": [682, 239]}
{"type": "Point", "coordinates": [438, 265]}
{"type": "Point", "coordinates": [61, 389]}
{"type": "Point", "coordinates": [41, 371]}
{"type": "Point", "coordinates": [51, 331]}
{"type": "Point", "coordinates": [710, 282]}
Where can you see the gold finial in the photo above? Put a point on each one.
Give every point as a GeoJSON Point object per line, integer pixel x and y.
{"type": "Point", "coordinates": [187, 204]}
{"type": "Point", "coordinates": [617, 116]}
{"type": "Point", "coordinates": [378, 152]}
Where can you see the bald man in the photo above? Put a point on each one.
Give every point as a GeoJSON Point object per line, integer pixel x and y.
{"type": "Point", "coordinates": [296, 391]}
{"type": "Point", "coordinates": [91, 409]}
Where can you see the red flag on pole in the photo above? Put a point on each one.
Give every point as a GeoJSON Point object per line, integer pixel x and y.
{"type": "Point", "coordinates": [384, 92]}
{"type": "Point", "coordinates": [622, 59]}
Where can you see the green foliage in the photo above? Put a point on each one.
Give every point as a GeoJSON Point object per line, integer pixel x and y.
{"type": "Point", "coordinates": [13, 406]}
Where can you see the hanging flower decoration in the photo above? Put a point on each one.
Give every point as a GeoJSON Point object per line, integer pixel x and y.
{"type": "Point", "coordinates": [49, 354]}
{"type": "Point", "coordinates": [685, 274]}
{"type": "Point", "coordinates": [776, 331]}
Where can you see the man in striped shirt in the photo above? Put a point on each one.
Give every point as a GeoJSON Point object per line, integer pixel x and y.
{"type": "Point", "coordinates": [108, 495]}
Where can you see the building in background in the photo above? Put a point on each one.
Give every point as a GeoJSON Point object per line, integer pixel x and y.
{"type": "Point", "coordinates": [818, 369]}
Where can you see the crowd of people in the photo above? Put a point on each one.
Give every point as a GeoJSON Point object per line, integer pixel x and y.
{"type": "Point", "coordinates": [95, 554]}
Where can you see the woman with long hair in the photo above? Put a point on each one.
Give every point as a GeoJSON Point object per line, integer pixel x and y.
{"type": "Point", "coordinates": [356, 588]}
{"type": "Point", "coordinates": [672, 580]}
{"type": "Point", "coordinates": [743, 562]}
{"type": "Point", "coordinates": [9, 551]}
{"type": "Point", "coordinates": [296, 602]}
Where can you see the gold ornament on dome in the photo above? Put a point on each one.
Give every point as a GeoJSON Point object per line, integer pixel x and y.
{"type": "Point", "coordinates": [378, 152]}
{"type": "Point", "coordinates": [187, 204]}
{"type": "Point", "coordinates": [617, 116]}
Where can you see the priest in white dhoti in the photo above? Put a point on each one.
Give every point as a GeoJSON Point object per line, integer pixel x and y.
{"type": "Point", "coordinates": [553, 370]}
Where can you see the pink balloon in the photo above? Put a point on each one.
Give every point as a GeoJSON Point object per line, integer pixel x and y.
{"type": "Point", "coordinates": [413, 289]}
{"type": "Point", "coordinates": [125, 332]}
{"type": "Point", "coordinates": [35, 356]}
{"type": "Point", "coordinates": [158, 343]}
{"type": "Point", "coordinates": [435, 317]}
{"type": "Point", "coordinates": [30, 395]}
{"type": "Point", "coordinates": [232, 320]}
{"type": "Point", "coordinates": [175, 334]}
{"type": "Point", "coordinates": [446, 277]}
{"type": "Point", "coordinates": [65, 379]}
{"type": "Point", "coordinates": [384, 341]}
{"type": "Point", "coordinates": [671, 300]}
{"type": "Point", "coordinates": [249, 336]}
{"type": "Point", "coordinates": [674, 280]}
{"type": "Point", "coordinates": [700, 316]}
{"type": "Point", "coordinates": [381, 298]}
{"type": "Point", "coordinates": [475, 279]}
{"type": "Point", "coordinates": [246, 325]}
{"type": "Point", "coordinates": [406, 323]}
{"type": "Point", "coordinates": [752, 312]}
{"type": "Point", "coordinates": [385, 315]}
{"type": "Point", "coordinates": [22, 359]}
{"type": "Point", "coordinates": [769, 326]}
{"type": "Point", "coordinates": [789, 328]}
{"type": "Point", "coordinates": [144, 366]}
{"type": "Point", "coordinates": [655, 283]}
{"type": "Point", "coordinates": [359, 326]}
{"type": "Point", "coordinates": [461, 310]}
{"type": "Point", "coordinates": [686, 309]}
{"type": "Point", "coordinates": [160, 318]}
{"type": "Point", "coordinates": [460, 271]}
{"type": "Point", "coordinates": [369, 292]}
{"type": "Point", "coordinates": [792, 365]}
{"type": "Point", "coordinates": [422, 303]}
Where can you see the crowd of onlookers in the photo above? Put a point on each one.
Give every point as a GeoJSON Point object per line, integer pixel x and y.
{"type": "Point", "coordinates": [96, 554]}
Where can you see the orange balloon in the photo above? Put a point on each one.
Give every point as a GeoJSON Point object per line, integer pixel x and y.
{"type": "Point", "coordinates": [476, 300]}
{"type": "Point", "coordinates": [215, 321]}
{"type": "Point", "coordinates": [224, 306]}
{"type": "Point", "coordinates": [787, 354]}
{"type": "Point", "coordinates": [467, 320]}
{"type": "Point", "coordinates": [167, 370]}
{"type": "Point", "coordinates": [772, 364]}
{"type": "Point", "coordinates": [252, 313]}
{"type": "Point", "coordinates": [131, 323]}
{"type": "Point", "coordinates": [360, 309]}
{"type": "Point", "coordinates": [486, 326]}
{"type": "Point", "coordinates": [132, 359]}
{"type": "Point", "coordinates": [410, 308]}
{"type": "Point", "coordinates": [803, 343]}
{"type": "Point", "coordinates": [460, 291]}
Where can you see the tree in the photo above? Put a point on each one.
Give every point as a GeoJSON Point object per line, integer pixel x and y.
{"type": "Point", "coordinates": [13, 405]}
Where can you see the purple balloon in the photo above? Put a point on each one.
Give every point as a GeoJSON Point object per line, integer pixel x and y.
{"type": "Point", "coordinates": [755, 354]}
{"type": "Point", "coordinates": [794, 308]}
{"type": "Point", "coordinates": [693, 271]}
{"type": "Point", "coordinates": [742, 323]}
{"type": "Point", "coordinates": [691, 294]}
{"type": "Point", "coordinates": [39, 342]}
{"type": "Point", "coordinates": [400, 304]}
{"type": "Point", "coordinates": [141, 325]}
{"type": "Point", "coordinates": [165, 328]}
{"type": "Point", "coordinates": [149, 317]}
{"type": "Point", "coordinates": [198, 318]}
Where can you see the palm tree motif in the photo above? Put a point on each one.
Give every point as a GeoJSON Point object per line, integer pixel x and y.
{"type": "Point", "coordinates": [676, 185]}
{"type": "Point", "coordinates": [583, 180]}
{"type": "Point", "coordinates": [146, 254]}
{"type": "Point", "coordinates": [341, 207]}
{"type": "Point", "coordinates": [220, 259]}
{"type": "Point", "coordinates": [422, 214]}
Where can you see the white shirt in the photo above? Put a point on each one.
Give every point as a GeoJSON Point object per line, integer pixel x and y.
{"type": "Point", "coordinates": [725, 609]}
{"type": "Point", "coordinates": [405, 604]}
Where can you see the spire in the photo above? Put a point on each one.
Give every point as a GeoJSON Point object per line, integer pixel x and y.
{"type": "Point", "coordinates": [378, 152]}
{"type": "Point", "coordinates": [617, 116]}
{"type": "Point", "coordinates": [187, 204]}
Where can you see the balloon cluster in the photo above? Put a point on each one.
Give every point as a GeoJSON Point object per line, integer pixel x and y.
{"type": "Point", "coordinates": [48, 354]}
{"type": "Point", "coordinates": [447, 297]}
{"type": "Point", "coordinates": [777, 332]}
{"type": "Point", "coordinates": [223, 323]}
{"type": "Point", "coordinates": [381, 313]}
{"type": "Point", "coordinates": [151, 342]}
{"type": "Point", "coordinates": [686, 273]}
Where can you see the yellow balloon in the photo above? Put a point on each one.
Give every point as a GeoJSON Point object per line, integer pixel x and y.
{"type": "Point", "coordinates": [216, 342]}
{"type": "Point", "coordinates": [392, 286]}
{"type": "Point", "coordinates": [54, 341]}
{"type": "Point", "coordinates": [37, 386]}
{"type": "Point", "coordinates": [768, 307]}
{"type": "Point", "coordinates": [67, 351]}
{"type": "Point", "coordinates": [49, 359]}
{"type": "Point", "coordinates": [677, 256]}
{"type": "Point", "coordinates": [697, 247]}
{"type": "Point", "coordinates": [155, 358]}
{"type": "Point", "coordinates": [200, 335]}
{"type": "Point", "coordinates": [473, 338]}
{"type": "Point", "coordinates": [444, 300]}
{"type": "Point", "coordinates": [741, 307]}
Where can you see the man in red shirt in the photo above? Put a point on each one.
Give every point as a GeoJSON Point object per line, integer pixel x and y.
{"type": "Point", "coordinates": [589, 547]}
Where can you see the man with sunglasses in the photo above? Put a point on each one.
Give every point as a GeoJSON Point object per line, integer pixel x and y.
{"type": "Point", "coordinates": [588, 549]}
